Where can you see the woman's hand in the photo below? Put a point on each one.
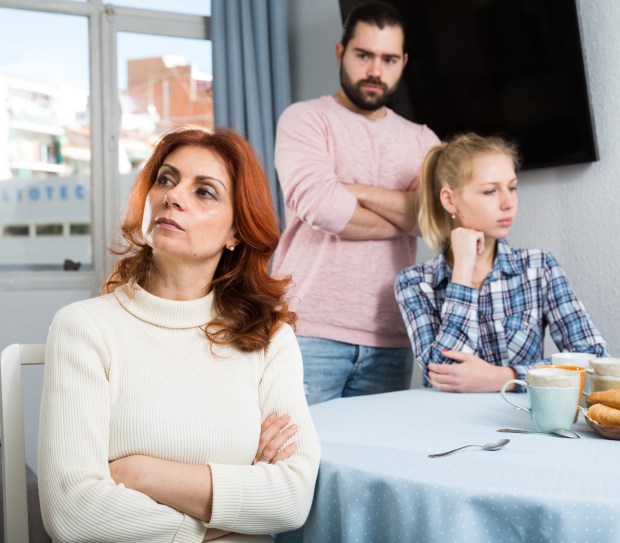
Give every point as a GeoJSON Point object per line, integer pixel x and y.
{"type": "Point", "coordinates": [274, 433]}
{"type": "Point", "coordinates": [470, 374]}
{"type": "Point", "coordinates": [187, 487]}
{"type": "Point", "coordinates": [134, 471]}
{"type": "Point", "coordinates": [466, 245]}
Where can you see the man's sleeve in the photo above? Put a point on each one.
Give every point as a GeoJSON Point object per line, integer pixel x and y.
{"type": "Point", "coordinates": [307, 171]}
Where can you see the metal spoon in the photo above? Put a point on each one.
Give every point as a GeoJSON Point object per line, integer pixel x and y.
{"type": "Point", "coordinates": [560, 432]}
{"type": "Point", "coordinates": [493, 446]}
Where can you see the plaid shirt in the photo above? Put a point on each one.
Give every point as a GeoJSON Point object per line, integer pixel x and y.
{"type": "Point", "coordinates": [504, 323]}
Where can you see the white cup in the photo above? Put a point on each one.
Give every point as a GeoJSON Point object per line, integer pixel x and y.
{"type": "Point", "coordinates": [608, 367]}
{"type": "Point", "coordinates": [604, 382]}
{"type": "Point", "coordinates": [572, 359]}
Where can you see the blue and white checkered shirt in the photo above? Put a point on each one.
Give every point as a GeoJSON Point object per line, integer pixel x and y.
{"type": "Point", "coordinates": [504, 323]}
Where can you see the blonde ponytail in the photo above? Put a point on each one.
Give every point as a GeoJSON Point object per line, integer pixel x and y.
{"type": "Point", "coordinates": [432, 215]}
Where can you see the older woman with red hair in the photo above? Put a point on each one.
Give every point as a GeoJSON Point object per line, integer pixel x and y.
{"type": "Point", "coordinates": [170, 401]}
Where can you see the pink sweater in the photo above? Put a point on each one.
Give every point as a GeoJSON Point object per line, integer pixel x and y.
{"type": "Point", "coordinates": [343, 290]}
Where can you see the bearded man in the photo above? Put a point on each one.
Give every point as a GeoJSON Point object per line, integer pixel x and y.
{"type": "Point", "coordinates": [349, 170]}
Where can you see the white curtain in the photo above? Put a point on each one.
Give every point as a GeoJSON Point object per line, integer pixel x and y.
{"type": "Point", "coordinates": [251, 82]}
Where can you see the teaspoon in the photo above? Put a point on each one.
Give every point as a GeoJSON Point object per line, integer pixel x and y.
{"type": "Point", "coordinates": [493, 446]}
{"type": "Point", "coordinates": [560, 432]}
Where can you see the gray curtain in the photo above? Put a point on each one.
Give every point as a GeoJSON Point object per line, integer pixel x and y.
{"type": "Point", "coordinates": [251, 82]}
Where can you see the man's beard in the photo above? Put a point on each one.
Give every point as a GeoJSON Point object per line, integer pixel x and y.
{"type": "Point", "coordinates": [359, 97]}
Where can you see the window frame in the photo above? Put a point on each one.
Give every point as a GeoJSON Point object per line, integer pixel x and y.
{"type": "Point", "coordinates": [105, 21]}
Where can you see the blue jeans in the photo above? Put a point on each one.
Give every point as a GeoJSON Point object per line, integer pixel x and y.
{"type": "Point", "coordinates": [333, 369]}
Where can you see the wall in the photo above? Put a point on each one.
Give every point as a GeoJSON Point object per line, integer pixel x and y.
{"type": "Point", "coordinates": [572, 211]}
{"type": "Point", "coordinates": [25, 316]}
{"type": "Point", "coordinates": [314, 29]}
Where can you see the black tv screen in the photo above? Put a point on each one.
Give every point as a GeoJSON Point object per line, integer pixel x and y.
{"type": "Point", "coordinates": [513, 68]}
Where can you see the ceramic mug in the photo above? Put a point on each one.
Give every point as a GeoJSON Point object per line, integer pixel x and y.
{"type": "Point", "coordinates": [575, 359]}
{"type": "Point", "coordinates": [582, 373]}
{"type": "Point", "coordinates": [550, 406]}
{"type": "Point", "coordinates": [606, 367]}
{"type": "Point", "coordinates": [604, 382]}
{"type": "Point", "coordinates": [572, 359]}
{"type": "Point", "coordinates": [553, 376]}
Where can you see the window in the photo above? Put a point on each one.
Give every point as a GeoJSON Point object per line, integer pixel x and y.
{"type": "Point", "coordinates": [44, 101]}
{"type": "Point", "coordinates": [82, 229]}
{"type": "Point", "coordinates": [194, 7]}
{"type": "Point", "coordinates": [162, 82]}
{"type": "Point", "coordinates": [77, 120]}
{"type": "Point", "coordinates": [54, 229]}
{"type": "Point", "coordinates": [16, 230]}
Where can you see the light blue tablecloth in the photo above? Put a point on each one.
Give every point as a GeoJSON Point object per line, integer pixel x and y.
{"type": "Point", "coordinates": [377, 484]}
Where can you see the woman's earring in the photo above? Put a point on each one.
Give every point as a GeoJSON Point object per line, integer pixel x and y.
{"type": "Point", "coordinates": [231, 248]}
{"type": "Point", "coordinates": [453, 216]}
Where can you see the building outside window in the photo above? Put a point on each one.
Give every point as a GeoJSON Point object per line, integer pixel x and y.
{"type": "Point", "coordinates": [86, 88]}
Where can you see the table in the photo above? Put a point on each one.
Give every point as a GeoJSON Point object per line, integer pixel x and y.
{"type": "Point", "coordinates": [376, 482]}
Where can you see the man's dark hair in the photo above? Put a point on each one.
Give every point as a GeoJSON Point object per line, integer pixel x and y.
{"type": "Point", "coordinates": [380, 14]}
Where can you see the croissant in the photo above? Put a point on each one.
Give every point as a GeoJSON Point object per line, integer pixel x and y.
{"type": "Point", "coordinates": [604, 415]}
{"type": "Point", "coordinates": [610, 398]}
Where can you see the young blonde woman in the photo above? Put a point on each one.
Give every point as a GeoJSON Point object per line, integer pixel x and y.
{"type": "Point", "coordinates": [476, 314]}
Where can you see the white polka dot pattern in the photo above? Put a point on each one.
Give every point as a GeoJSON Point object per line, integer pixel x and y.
{"type": "Point", "coordinates": [377, 484]}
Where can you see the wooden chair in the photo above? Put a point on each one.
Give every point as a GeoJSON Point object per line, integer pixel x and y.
{"type": "Point", "coordinates": [14, 489]}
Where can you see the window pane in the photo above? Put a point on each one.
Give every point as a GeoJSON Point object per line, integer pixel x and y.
{"type": "Point", "coordinates": [16, 230]}
{"type": "Point", "coordinates": [192, 7]}
{"type": "Point", "coordinates": [163, 82]}
{"type": "Point", "coordinates": [49, 229]}
{"type": "Point", "coordinates": [44, 138]}
{"type": "Point", "coordinates": [82, 229]}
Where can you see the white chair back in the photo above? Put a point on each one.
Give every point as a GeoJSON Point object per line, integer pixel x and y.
{"type": "Point", "coordinates": [12, 444]}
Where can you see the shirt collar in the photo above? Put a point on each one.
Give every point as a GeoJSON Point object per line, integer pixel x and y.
{"type": "Point", "coordinates": [441, 271]}
{"type": "Point", "coordinates": [505, 261]}
{"type": "Point", "coordinates": [505, 264]}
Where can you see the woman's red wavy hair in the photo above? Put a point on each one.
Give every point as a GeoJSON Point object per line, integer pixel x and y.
{"type": "Point", "coordinates": [250, 303]}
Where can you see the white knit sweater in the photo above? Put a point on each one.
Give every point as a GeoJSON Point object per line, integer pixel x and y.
{"type": "Point", "coordinates": [131, 373]}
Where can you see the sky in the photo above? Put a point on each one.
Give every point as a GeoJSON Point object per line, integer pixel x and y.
{"type": "Point", "coordinates": [59, 52]}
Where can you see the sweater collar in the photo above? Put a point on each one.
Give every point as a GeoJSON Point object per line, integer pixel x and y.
{"type": "Point", "coordinates": [162, 312]}
{"type": "Point", "coordinates": [359, 116]}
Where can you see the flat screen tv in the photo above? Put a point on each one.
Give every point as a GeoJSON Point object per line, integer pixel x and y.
{"type": "Point", "coordinates": [513, 68]}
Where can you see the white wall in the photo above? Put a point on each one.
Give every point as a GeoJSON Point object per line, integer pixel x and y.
{"type": "Point", "coordinates": [25, 316]}
{"type": "Point", "coordinates": [572, 211]}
